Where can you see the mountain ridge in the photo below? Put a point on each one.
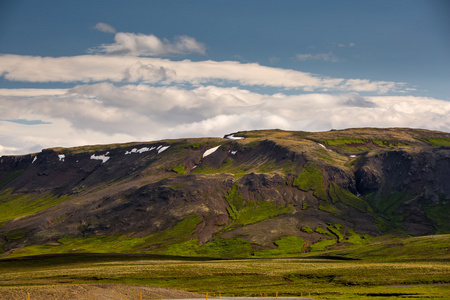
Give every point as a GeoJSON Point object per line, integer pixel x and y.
{"type": "Point", "coordinates": [266, 193]}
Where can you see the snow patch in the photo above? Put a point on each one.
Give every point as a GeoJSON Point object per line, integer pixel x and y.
{"type": "Point", "coordinates": [323, 146]}
{"type": "Point", "coordinates": [104, 157]}
{"type": "Point", "coordinates": [34, 159]}
{"type": "Point", "coordinates": [142, 150]}
{"type": "Point", "coordinates": [232, 137]}
{"type": "Point", "coordinates": [61, 157]}
{"type": "Point", "coordinates": [210, 151]}
{"type": "Point", "coordinates": [161, 149]}
{"type": "Point", "coordinates": [134, 150]}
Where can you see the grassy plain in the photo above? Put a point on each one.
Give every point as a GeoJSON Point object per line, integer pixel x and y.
{"type": "Point", "coordinates": [322, 278]}
{"type": "Point", "coordinates": [415, 268]}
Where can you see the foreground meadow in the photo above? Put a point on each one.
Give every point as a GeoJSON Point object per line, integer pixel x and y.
{"type": "Point", "coordinates": [318, 277]}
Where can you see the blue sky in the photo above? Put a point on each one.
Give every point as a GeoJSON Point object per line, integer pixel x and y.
{"type": "Point", "coordinates": [207, 68]}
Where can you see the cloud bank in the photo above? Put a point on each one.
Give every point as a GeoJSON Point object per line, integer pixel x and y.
{"type": "Point", "coordinates": [106, 113]}
{"type": "Point", "coordinates": [126, 91]}
{"type": "Point", "coordinates": [130, 69]}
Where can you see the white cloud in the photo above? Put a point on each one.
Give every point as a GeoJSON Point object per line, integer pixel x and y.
{"type": "Point", "coordinates": [126, 43]}
{"type": "Point", "coordinates": [103, 27]}
{"type": "Point", "coordinates": [364, 85]}
{"type": "Point", "coordinates": [23, 139]}
{"type": "Point", "coordinates": [106, 113]}
{"type": "Point", "coordinates": [318, 56]}
{"type": "Point", "coordinates": [32, 92]}
{"type": "Point", "coordinates": [95, 68]}
{"type": "Point", "coordinates": [9, 150]}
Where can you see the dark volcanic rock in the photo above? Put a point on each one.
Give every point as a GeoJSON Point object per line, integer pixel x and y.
{"type": "Point", "coordinates": [368, 180]}
{"type": "Point", "coordinates": [379, 181]}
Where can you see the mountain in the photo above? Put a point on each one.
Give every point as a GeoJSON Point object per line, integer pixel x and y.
{"type": "Point", "coordinates": [253, 193]}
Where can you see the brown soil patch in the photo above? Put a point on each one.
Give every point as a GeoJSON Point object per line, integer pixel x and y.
{"type": "Point", "coordinates": [93, 292]}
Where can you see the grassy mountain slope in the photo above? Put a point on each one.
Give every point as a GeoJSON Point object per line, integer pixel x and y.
{"type": "Point", "coordinates": [271, 193]}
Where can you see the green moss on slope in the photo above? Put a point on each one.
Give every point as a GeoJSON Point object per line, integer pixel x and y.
{"type": "Point", "coordinates": [19, 205]}
{"type": "Point", "coordinates": [388, 202]}
{"type": "Point", "coordinates": [327, 207]}
{"type": "Point", "coordinates": [251, 212]}
{"type": "Point", "coordinates": [307, 229]}
{"type": "Point", "coordinates": [337, 230]}
{"type": "Point", "coordinates": [221, 247]}
{"type": "Point", "coordinates": [358, 145]}
{"type": "Point", "coordinates": [322, 245]}
{"type": "Point", "coordinates": [439, 213]}
{"type": "Point", "coordinates": [356, 238]}
{"type": "Point", "coordinates": [311, 179]}
{"type": "Point", "coordinates": [438, 142]}
{"type": "Point", "coordinates": [339, 194]}
{"type": "Point", "coordinates": [340, 142]}
{"type": "Point", "coordinates": [286, 246]}
{"type": "Point", "coordinates": [323, 231]}
{"type": "Point", "coordinates": [179, 233]}
{"type": "Point", "coordinates": [260, 211]}
{"type": "Point", "coordinates": [235, 201]}
{"type": "Point", "coordinates": [154, 243]}
{"type": "Point", "coordinates": [386, 205]}
{"type": "Point", "coordinates": [15, 235]}
{"type": "Point", "coordinates": [179, 169]}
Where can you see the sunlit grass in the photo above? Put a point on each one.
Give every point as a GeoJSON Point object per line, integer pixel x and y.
{"type": "Point", "coordinates": [324, 279]}
{"type": "Point", "coordinates": [19, 205]}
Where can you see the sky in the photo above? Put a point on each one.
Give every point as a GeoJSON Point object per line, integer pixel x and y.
{"type": "Point", "coordinates": [84, 72]}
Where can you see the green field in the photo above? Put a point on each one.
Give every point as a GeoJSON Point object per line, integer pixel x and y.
{"type": "Point", "coordinates": [414, 268]}
{"type": "Point", "coordinates": [276, 213]}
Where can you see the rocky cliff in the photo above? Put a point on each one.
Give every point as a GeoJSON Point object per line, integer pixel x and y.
{"type": "Point", "coordinates": [260, 193]}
